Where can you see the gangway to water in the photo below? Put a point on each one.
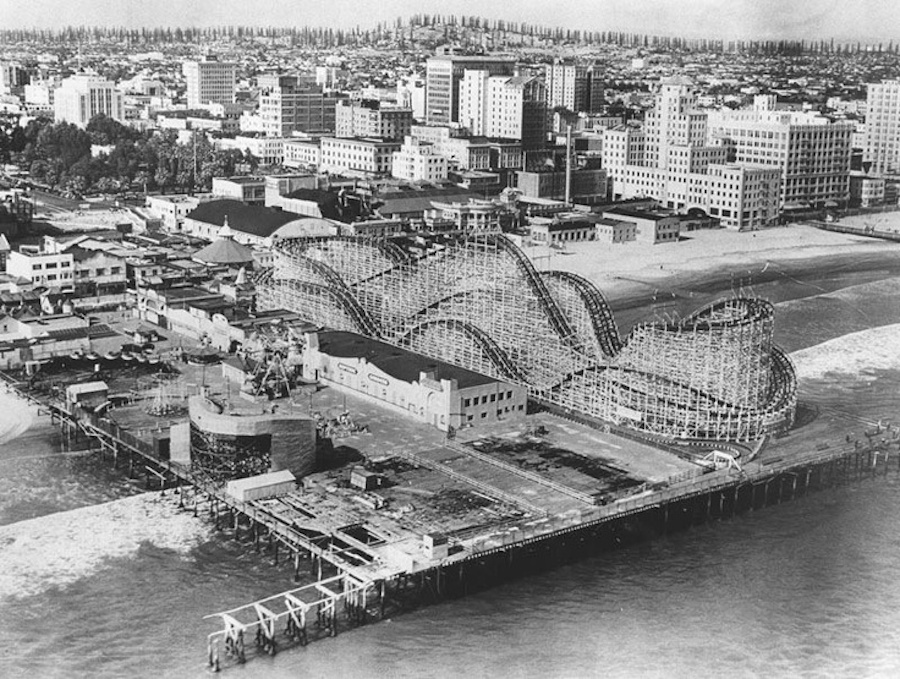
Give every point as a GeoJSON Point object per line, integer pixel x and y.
{"type": "Point", "coordinates": [290, 613]}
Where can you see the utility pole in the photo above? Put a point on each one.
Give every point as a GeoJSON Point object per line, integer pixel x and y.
{"type": "Point", "coordinates": [568, 164]}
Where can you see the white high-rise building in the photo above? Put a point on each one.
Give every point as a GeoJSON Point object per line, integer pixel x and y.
{"type": "Point", "coordinates": [209, 80]}
{"type": "Point", "coordinates": [573, 86]}
{"type": "Point", "coordinates": [670, 160]}
{"type": "Point", "coordinates": [504, 107]}
{"type": "Point", "coordinates": [84, 95]}
{"type": "Point", "coordinates": [882, 135]}
{"type": "Point", "coordinates": [443, 75]}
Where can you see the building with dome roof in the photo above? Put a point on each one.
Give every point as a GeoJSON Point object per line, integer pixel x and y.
{"type": "Point", "coordinates": [225, 250]}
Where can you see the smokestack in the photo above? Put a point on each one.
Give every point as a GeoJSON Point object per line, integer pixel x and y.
{"type": "Point", "coordinates": [569, 164]}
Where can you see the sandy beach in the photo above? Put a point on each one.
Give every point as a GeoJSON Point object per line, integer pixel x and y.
{"type": "Point", "coordinates": [627, 271]}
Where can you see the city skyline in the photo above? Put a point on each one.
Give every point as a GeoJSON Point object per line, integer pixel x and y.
{"type": "Point", "coordinates": [867, 20]}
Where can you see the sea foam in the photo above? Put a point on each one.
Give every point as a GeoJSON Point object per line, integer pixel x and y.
{"type": "Point", "coordinates": [858, 354]}
{"type": "Point", "coordinates": [58, 549]}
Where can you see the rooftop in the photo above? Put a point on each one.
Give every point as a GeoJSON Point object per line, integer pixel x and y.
{"type": "Point", "coordinates": [251, 219]}
{"type": "Point", "coordinates": [639, 214]}
{"type": "Point", "coordinates": [398, 363]}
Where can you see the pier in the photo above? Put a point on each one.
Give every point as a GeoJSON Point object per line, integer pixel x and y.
{"type": "Point", "coordinates": [357, 562]}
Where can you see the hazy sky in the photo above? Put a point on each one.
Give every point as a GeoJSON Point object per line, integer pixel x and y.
{"type": "Point", "coordinates": [812, 19]}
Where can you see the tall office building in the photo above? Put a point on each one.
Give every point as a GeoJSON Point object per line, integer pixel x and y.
{"type": "Point", "coordinates": [13, 76]}
{"type": "Point", "coordinates": [882, 136]}
{"type": "Point", "coordinates": [443, 75]}
{"type": "Point", "coordinates": [84, 95]}
{"type": "Point", "coordinates": [811, 151]}
{"type": "Point", "coordinates": [209, 80]}
{"type": "Point", "coordinates": [289, 103]}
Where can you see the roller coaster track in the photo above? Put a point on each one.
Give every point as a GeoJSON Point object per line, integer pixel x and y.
{"type": "Point", "coordinates": [705, 318]}
{"type": "Point", "coordinates": [602, 320]}
{"type": "Point", "coordinates": [390, 250]}
{"type": "Point", "coordinates": [346, 298]}
{"type": "Point", "coordinates": [784, 382]}
{"type": "Point", "coordinates": [693, 391]}
{"type": "Point", "coordinates": [341, 297]}
{"type": "Point", "coordinates": [558, 321]}
{"type": "Point", "coordinates": [495, 354]}
{"type": "Point", "coordinates": [499, 358]}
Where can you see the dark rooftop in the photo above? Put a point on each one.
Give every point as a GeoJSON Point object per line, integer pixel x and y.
{"type": "Point", "coordinates": [398, 363]}
{"type": "Point", "coordinates": [253, 219]}
{"type": "Point", "coordinates": [638, 214]}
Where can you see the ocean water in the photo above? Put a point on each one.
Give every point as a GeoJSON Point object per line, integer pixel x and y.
{"type": "Point", "coordinates": [808, 588]}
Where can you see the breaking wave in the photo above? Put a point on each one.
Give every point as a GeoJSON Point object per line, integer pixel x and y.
{"type": "Point", "coordinates": [58, 549]}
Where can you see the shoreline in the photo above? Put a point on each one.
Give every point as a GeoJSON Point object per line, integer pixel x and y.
{"type": "Point", "coordinates": [18, 416]}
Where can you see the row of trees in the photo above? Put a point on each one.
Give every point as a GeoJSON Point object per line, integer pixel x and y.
{"type": "Point", "coordinates": [59, 155]}
{"type": "Point", "coordinates": [321, 37]}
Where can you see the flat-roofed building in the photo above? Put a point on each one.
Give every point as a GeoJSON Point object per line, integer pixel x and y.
{"type": "Point", "coordinates": [440, 394]}
{"type": "Point", "coordinates": [811, 151]}
{"type": "Point", "coordinates": [46, 269]}
{"type": "Point", "coordinates": [292, 103]}
{"type": "Point", "coordinates": [417, 161]}
{"type": "Point", "coordinates": [651, 227]}
{"type": "Point", "coordinates": [85, 95]}
{"type": "Point", "coordinates": [249, 190]}
{"type": "Point", "coordinates": [615, 230]}
{"type": "Point", "coordinates": [302, 154]}
{"type": "Point", "coordinates": [371, 118]}
{"type": "Point", "coordinates": [363, 157]}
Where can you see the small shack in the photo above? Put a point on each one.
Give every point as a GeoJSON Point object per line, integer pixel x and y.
{"type": "Point", "coordinates": [363, 479]}
{"type": "Point", "coordinates": [262, 486]}
{"type": "Point", "coordinates": [436, 545]}
{"type": "Point", "coordinates": [88, 394]}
